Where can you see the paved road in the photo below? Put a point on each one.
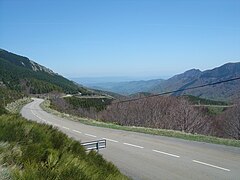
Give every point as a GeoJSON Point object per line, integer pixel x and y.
{"type": "Point", "coordinates": [142, 156]}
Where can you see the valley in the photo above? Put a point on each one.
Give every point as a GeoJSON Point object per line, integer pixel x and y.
{"type": "Point", "coordinates": [178, 114]}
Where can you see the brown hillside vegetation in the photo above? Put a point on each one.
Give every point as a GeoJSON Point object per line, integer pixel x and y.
{"type": "Point", "coordinates": [229, 123]}
{"type": "Point", "coordinates": [175, 113]}
{"type": "Point", "coordinates": [157, 112]}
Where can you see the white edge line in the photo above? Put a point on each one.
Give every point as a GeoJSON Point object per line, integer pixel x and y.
{"type": "Point", "coordinates": [111, 140]}
{"type": "Point", "coordinates": [203, 163]}
{"type": "Point", "coordinates": [77, 131]}
{"type": "Point", "coordinates": [90, 135]}
{"type": "Point", "coordinates": [133, 145]}
{"type": "Point", "coordinates": [161, 152]}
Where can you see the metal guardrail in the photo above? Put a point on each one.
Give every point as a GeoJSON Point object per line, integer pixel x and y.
{"type": "Point", "coordinates": [95, 145]}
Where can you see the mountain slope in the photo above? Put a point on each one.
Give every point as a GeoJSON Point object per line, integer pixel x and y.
{"type": "Point", "coordinates": [194, 77]}
{"type": "Point", "coordinates": [229, 91]}
{"type": "Point", "coordinates": [21, 74]}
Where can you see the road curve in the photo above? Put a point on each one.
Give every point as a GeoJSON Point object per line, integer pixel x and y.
{"type": "Point", "coordinates": [142, 156]}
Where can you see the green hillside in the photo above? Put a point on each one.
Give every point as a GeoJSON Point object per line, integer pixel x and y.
{"type": "Point", "coordinates": [23, 75]}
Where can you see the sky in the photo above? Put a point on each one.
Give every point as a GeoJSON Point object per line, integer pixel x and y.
{"type": "Point", "coordinates": [122, 38]}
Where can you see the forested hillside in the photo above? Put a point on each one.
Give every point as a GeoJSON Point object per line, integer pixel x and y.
{"type": "Point", "coordinates": [23, 75]}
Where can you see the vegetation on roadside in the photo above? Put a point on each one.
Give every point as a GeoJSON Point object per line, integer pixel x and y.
{"type": "Point", "coordinates": [39, 151]}
{"type": "Point", "coordinates": [161, 132]}
{"type": "Point", "coordinates": [7, 96]}
{"type": "Point", "coordinates": [165, 112]}
{"type": "Point", "coordinates": [4, 172]}
{"type": "Point", "coordinates": [16, 106]}
{"type": "Point", "coordinates": [33, 151]}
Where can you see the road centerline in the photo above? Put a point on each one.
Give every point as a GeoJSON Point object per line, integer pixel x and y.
{"type": "Point", "coordinates": [65, 127]}
{"type": "Point", "coordinates": [211, 165]}
{"type": "Point", "coordinates": [38, 116]}
{"type": "Point", "coordinates": [133, 145]}
{"type": "Point", "coordinates": [90, 135]}
{"type": "Point", "coordinates": [112, 140]}
{"type": "Point", "coordinates": [165, 153]}
{"type": "Point", "coordinates": [77, 131]}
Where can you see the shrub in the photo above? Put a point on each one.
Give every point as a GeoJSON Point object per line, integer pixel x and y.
{"type": "Point", "coordinates": [38, 151]}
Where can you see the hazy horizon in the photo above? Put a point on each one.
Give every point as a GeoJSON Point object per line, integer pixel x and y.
{"type": "Point", "coordinates": [111, 79]}
{"type": "Point", "coordinates": [94, 80]}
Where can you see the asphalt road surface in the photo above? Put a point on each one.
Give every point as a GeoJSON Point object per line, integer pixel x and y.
{"type": "Point", "coordinates": [142, 156]}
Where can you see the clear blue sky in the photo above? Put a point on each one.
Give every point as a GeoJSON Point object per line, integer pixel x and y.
{"type": "Point", "coordinates": [82, 38]}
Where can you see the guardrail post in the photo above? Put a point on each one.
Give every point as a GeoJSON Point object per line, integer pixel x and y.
{"type": "Point", "coordinates": [97, 146]}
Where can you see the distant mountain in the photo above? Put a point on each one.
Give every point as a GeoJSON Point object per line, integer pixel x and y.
{"type": "Point", "coordinates": [127, 88]}
{"type": "Point", "coordinates": [195, 77]}
{"type": "Point", "coordinates": [24, 75]}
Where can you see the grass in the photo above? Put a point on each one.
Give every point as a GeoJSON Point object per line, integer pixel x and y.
{"type": "Point", "coordinates": [39, 151]}
{"type": "Point", "coordinates": [202, 101]}
{"type": "Point", "coordinates": [4, 173]}
{"type": "Point", "coordinates": [161, 132]}
{"type": "Point", "coordinates": [215, 110]}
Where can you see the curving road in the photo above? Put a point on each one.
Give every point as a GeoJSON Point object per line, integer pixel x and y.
{"type": "Point", "coordinates": [142, 156]}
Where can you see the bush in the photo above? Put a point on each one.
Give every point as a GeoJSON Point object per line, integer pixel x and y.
{"type": "Point", "coordinates": [37, 151]}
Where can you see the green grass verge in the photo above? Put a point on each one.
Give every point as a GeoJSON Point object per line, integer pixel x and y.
{"type": "Point", "coordinates": [39, 151]}
{"type": "Point", "coordinates": [161, 132]}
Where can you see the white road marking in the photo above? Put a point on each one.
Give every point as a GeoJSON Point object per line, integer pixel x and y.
{"type": "Point", "coordinates": [111, 140]}
{"type": "Point", "coordinates": [133, 145]}
{"type": "Point", "coordinates": [165, 153]}
{"type": "Point", "coordinates": [33, 112]}
{"type": "Point", "coordinates": [77, 131]}
{"type": "Point", "coordinates": [90, 135]}
{"type": "Point", "coordinates": [203, 163]}
{"type": "Point", "coordinates": [38, 116]}
{"type": "Point", "coordinates": [65, 127]}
